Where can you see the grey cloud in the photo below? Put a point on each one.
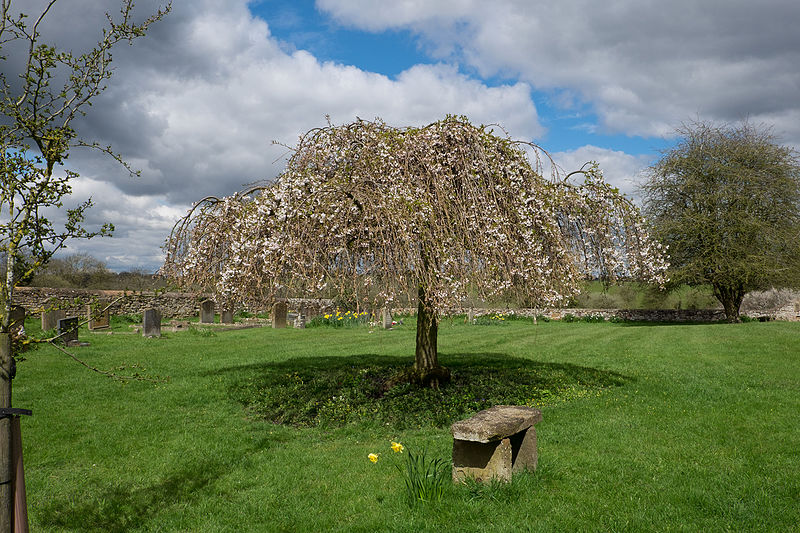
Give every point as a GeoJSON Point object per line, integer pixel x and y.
{"type": "Point", "coordinates": [197, 103]}
{"type": "Point", "coordinates": [643, 65]}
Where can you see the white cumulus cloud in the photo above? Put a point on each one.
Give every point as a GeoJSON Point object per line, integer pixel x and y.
{"type": "Point", "coordinates": [643, 65]}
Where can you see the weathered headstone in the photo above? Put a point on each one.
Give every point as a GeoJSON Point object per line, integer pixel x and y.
{"type": "Point", "coordinates": [226, 317]}
{"type": "Point", "coordinates": [68, 330]}
{"type": "Point", "coordinates": [279, 315]}
{"type": "Point", "coordinates": [471, 316]}
{"type": "Point", "coordinates": [300, 321]}
{"type": "Point", "coordinates": [17, 319]}
{"type": "Point", "coordinates": [151, 323]}
{"type": "Point", "coordinates": [207, 312]}
{"type": "Point", "coordinates": [51, 317]}
{"type": "Point", "coordinates": [495, 443]}
{"type": "Point", "coordinates": [98, 315]}
{"type": "Point", "coordinates": [386, 316]}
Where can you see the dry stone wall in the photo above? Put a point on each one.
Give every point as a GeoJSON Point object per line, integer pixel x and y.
{"type": "Point", "coordinates": [182, 304]}
{"type": "Point", "coordinates": [171, 304]}
{"type": "Point", "coordinates": [789, 312]}
{"type": "Point", "coordinates": [639, 315]}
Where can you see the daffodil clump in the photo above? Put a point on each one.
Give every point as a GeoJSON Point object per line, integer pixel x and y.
{"type": "Point", "coordinates": [493, 319]}
{"type": "Point", "coordinates": [395, 446]}
{"type": "Point", "coordinates": [340, 319]}
{"type": "Point", "coordinates": [424, 477]}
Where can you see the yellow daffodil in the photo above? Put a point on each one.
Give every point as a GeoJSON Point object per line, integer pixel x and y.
{"type": "Point", "coordinates": [340, 318]}
{"type": "Point", "coordinates": [397, 447]}
{"type": "Point", "coordinates": [373, 457]}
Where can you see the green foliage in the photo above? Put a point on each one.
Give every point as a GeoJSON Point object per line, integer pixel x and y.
{"type": "Point", "coordinates": [726, 200]}
{"type": "Point", "coordinates": [368, 392]}
{"type": "Point", "coordinates": [202, 332]}
{"type": "Point", "coordinates": [127, 319]}
{"type": "Point", "coordinates": [24, 267]}
{"type": "Point", "coordinates": [634, 295]}
{"type": "Point", "coordinates": [589, 319]}
{"type": "Point", "coordinates": [424, 478]}
{"type": "Point", "coordinates": [75, 270]}
{"type": "Point", "coordinates": [496, 319]}
{"type": "Point", "coordinates": [339, 319]}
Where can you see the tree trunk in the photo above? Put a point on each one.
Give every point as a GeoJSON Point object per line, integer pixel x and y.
{"type": "Point", "coordinates": [427, 333]}
{"type": "Point", "coordinates": [731, 300]}
{"type": "Point", "coordinates": [427, 370]}
{"type": "Point", "coordinates": [6, 468]}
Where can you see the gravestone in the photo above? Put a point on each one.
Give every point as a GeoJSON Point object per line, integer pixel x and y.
{"type": "Point", "coordinates": [68, 330]}
{"type": "Point", "coordinates": [17, 320]}
{"type": "Point", "coordinates": [495, 443]}
{"type": "Point", "coordinates": [387, 318]}
{"type": "Point", "coordinates": [300, 321]}
{"type": "Point", "coordinates": [207, 312]}
{"type": "Point", "coordinates": [471, 316]}
{"type": "Point", "coordinates": [279, 315]}
{"type": "Point", "coordinates": [151, 323]}
{"type": "Point", "coordinates": [226, 317]}
{"type": "Point", "coordinates": [98, 315]}
{"type": "Point", "coordinates": [50, 318]}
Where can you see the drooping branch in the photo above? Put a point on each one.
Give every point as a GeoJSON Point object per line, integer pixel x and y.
{"type": "Point", "coordinates": [370, 213]}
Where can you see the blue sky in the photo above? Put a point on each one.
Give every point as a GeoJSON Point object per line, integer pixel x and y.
{"type": "Point", "coordinates": [302, 26]}
{"type": "Point", "coordinates": [197, 104]}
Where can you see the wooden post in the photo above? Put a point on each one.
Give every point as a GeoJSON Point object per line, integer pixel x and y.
{"type": "Point", "coordinates": [20, 496]}
{"type": "Point", "coordinates": [6, 467]}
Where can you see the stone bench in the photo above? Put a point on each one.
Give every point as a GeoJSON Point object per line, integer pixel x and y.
{"type": "Point", "coordinates": [495, 442]}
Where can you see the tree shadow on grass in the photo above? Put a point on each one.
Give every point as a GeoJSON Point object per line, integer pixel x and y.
{"type": "Point", "coordinates": [362, 389]}
{"type": "Point", "coordinates": [120, 508]}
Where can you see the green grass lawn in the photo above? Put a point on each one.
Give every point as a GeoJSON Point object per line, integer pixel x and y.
{"type": "Point", "coordinates": [699, 431]}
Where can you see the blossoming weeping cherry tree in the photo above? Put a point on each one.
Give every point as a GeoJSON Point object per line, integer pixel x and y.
{"type": "Point", "coordinates": [439, 214]}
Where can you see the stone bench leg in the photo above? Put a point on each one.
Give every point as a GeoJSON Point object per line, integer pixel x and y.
{"type": "Point", "coordinates": [495, 460]}
{"type": "Point", "coordinates": [482, 461]}
{"type": "Point", "coordinates": [524, 451]}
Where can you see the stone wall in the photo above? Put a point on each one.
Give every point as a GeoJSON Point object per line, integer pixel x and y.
{"type": "Point", "coordinates": [181, 304]}
{"type": "Point", "coordinates": [639, 315]}
{"type": "Point", "coordinates": [171, 304]}
{"type": "Point", "coordinates": [789, 313]}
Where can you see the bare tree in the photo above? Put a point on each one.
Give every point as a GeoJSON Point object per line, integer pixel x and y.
{"type": "Point", "coordinates": [37, 108]}
{"type": "Point", "coordinates": [436, 215]}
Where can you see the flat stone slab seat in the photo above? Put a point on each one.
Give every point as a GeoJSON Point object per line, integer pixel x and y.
{"type": "Point", "coordinates": [495, 443]}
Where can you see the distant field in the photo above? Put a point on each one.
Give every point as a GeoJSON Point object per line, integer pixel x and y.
{"type": "Point", "coordinates": [697, 432]}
